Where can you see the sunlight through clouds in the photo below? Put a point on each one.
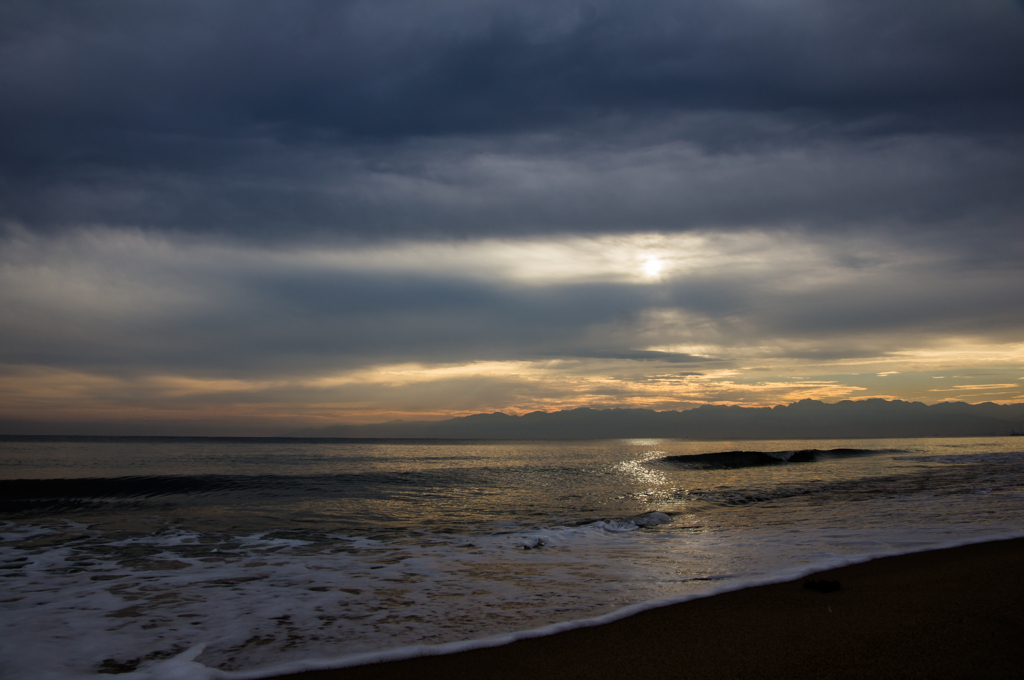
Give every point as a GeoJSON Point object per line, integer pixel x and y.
{"type": "Point", "coordinates": [341, 212]}
{"type": "Point", "coordinates": [615, 259]}
{"type": "Point", "coordinates": [429, 329]}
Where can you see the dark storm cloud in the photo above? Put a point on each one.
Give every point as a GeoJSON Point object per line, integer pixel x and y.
{"type": "Point", "coordinates": [404, 68]}
{"type": "Point", "coordinates": [463, 118]}
{"type": "Point", "coordinates": [645, 355]}
{"type": "Point", "coordinates": [247, 323]}
{"type": "Point", "coordinates": [464, 188]}
{"type": "Point", "coordinates": [933, 298]}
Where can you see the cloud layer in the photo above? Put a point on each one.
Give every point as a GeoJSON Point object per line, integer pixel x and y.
{"type": "Point", "coordinates": [432, 328]}
{"type": "Point", "coordinates": [282, 213]}
{"type": "Point", "coordinates": [444, 119]}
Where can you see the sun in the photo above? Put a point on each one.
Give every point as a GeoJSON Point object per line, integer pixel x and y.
{"type": "Point", "coordinates": [652, 267]}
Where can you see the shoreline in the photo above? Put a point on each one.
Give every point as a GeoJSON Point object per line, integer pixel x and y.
{"type": "Point", "coordinates": [948, 612]}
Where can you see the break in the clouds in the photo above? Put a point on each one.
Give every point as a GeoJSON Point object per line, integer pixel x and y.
{"type": "Point", "coordinates": [137, 325]}
{"type": "Point", "coordinates": [228, 216]}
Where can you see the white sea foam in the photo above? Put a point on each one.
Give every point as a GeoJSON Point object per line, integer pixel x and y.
{"type": "Point", "coordinates": [183, 666]}
{"type": "Point", "coordinates": [268, 606]}
{"type": "Point", "coordinates": [251, 597]}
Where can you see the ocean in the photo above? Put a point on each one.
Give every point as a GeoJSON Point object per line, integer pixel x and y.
{"type": "Point", "coordinates": [202, 558]}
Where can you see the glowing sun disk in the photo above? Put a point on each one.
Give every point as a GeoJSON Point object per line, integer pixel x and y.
{"type": "Point", "coordinates": [653, 267]}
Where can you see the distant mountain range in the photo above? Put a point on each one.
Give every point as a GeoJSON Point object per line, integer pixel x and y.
{"type": "Point", "coordinates": [807, 419]}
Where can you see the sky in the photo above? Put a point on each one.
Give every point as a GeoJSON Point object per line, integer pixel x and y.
{"type": "Point", "coordinates": [238, 218]}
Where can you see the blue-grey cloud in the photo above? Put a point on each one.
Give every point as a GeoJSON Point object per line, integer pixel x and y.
{"type": "Point", "coordinates": [442, 119]}
{"type": "Point", "coordinates": [225, 203]}
{"type": "Point", "coordinates": [130, 303]}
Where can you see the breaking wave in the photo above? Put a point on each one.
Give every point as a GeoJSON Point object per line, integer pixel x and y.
{"type": "Point", "coordinates": [743, 459]}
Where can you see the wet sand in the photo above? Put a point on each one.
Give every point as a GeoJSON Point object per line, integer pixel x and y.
{"type": "Point", "coordinates": [955, 613]}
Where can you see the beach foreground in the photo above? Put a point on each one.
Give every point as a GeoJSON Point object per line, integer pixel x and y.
{"type": "Point", "coordinates": [957, 612]}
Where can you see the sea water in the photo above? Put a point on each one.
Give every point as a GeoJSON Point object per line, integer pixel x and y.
{"type": "Point", "coordinates": [206, 558]}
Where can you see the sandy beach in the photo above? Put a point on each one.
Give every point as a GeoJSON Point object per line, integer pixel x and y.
{"type": "Point", "coordinates": [954, 613]}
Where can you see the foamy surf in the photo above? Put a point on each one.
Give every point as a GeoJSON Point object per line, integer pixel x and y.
{"type": "Point", "coordinates": [184, 666]}
{"type": "Point", "coordinates": [559, 537]}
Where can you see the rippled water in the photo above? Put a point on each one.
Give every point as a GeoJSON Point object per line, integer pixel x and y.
{"type": "Point", "coordinates": [117, 553]}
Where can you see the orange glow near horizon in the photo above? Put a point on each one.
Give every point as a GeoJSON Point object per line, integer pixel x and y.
{"type": "Point", "coordinates": [415, 391]}
{"type": "Point", "coordinates": [734, 318]}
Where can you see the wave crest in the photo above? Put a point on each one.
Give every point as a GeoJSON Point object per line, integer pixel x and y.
{"type": "Point", "coordinates": [722, 460]}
